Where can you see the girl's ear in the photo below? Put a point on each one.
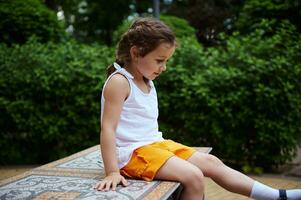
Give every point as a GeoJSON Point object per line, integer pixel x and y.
{"type": "Point", "coordinates": [134, 51]}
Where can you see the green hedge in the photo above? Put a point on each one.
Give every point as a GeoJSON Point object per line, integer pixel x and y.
{"type": "Point", "coordinates": [50, 99]}
{"type": "Point", "coordinates": [243, 99]}
{"type": "Point", "coordinates": [19, 20]}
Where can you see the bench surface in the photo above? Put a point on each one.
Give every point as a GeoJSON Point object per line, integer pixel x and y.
{"type": "Point", "coordinates": [73, 177]}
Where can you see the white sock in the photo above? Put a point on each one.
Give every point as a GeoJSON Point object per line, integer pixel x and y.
{"type": "Point", "coordinates": [264, 192]}
{"type": "Point", "coordinates": [294, 194]}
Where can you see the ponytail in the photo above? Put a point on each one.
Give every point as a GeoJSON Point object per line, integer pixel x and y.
{"type": "Point", "coordinates": [111, 67]}
{"type": "Point", "coordinates": [110, 70]}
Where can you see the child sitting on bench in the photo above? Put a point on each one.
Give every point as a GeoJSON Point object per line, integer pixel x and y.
{"type": "Point", "coordinates": [131, 144]}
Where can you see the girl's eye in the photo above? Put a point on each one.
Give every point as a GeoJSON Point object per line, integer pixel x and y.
{"type": "Point", "coordinates": [160, 61]}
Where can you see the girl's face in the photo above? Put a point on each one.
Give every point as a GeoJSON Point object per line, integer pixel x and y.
{"type": "Point", "coordinates": [154, 63]}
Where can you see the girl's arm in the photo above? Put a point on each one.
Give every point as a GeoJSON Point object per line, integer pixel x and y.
{"type": "Point", "coordinates": [115, 93]}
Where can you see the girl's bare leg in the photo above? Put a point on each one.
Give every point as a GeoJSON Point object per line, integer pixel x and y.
{"type": "Point", "coordinates": [190, 176]}
{"type": "Point", "coordinates": [223, 175]}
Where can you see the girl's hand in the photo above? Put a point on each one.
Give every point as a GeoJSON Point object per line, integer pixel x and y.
{"type": "Point", "coordinates": [111, 180]}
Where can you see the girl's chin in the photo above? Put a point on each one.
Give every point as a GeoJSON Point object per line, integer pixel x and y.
{"type": "Point", "coordinates": [156, 75]}
{"type": "Point", "coordinates": [151, 78]}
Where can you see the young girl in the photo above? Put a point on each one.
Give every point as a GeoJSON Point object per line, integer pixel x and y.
{"type": "Point", "coordinates": [131, 144]}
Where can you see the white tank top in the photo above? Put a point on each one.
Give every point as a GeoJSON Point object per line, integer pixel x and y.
{"type": "Point", "coordinates": [138, 123]}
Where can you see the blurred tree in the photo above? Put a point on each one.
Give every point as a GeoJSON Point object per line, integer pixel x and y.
{"type": "Point", "coordinates": [142, 7]}
{"type": "Point", "coordinates": [89, 20]}
{"type": "Point", "coordinates": [208, 17]}
{"type": "Point", "coordinates": [19, 20]}
{"type": "Point", "coordinates": [215, 16]}
{"type": "Point", "coordinates": [254, 11]}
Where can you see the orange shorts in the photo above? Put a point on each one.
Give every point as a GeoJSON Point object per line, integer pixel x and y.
{"type": "Point", "coordinates": [147, 160]}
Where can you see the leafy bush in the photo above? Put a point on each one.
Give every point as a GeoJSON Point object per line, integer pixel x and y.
{"type": "Point", "coordinates": [50, 99]}
{"type": "Point", "coordinates": [19, 20]}
{"type": "Point", "coordinates": [180, 26]}
{"type": "Point", "coordinates": [243, 99]}
{"type": "Point", "coordinates": [253, 11]}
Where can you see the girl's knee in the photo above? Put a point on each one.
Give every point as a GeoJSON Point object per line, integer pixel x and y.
{"type": "Point", "coordinates": [213, 160]}
{"type": "Point", "coordinates": [194, 179]}
{"type": "Point", "coordinates": [213, 166]}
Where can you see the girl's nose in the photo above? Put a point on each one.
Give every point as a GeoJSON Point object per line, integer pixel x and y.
{"type": "Point", "coordinates": [163, 67]}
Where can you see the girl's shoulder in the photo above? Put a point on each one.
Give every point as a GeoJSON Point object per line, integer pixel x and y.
{"type": "Point", "coordinates": [117, 86]}
{"type": "Point", "coordinates": [118, 79]}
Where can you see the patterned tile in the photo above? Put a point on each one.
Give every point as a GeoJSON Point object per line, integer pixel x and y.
{"type": "Point", "coordinates": [89, 161]}
{"type": "Point", "coordinates": [62, 187]}
{"type": "Point", "coordinates": [57, 195]}
{"type": "Point", "coordinates": [86, 161]}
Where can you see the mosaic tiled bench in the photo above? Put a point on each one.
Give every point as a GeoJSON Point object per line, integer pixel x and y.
{"type": "Point", "coordinates": [73, 177]}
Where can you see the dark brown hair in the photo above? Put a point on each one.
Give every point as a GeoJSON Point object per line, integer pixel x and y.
{"type": "Point", "coordinates": [146, 34]}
